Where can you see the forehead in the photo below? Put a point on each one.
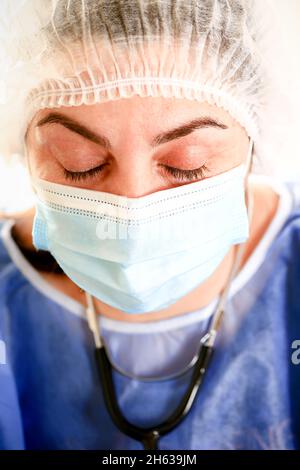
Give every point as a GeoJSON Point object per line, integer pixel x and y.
{"type": "Point", "coordinates": [152, 112]}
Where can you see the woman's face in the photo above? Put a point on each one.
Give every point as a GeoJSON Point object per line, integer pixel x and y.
{"type": "Point", "coordinates": [134, 146]}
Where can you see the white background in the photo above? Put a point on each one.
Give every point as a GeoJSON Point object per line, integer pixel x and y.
{"type": "Point", "coordinates": [15, 192]}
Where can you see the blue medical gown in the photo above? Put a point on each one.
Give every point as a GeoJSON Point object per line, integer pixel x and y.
{"type": "Point", "coordinates": [50, 395]}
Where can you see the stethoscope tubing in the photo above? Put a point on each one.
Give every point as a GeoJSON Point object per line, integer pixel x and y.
{"type": "Point", "coordinates": [149, 436]}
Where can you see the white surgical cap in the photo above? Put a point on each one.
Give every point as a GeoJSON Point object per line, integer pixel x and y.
{"type": "Point", "coordinates": [72, 52]}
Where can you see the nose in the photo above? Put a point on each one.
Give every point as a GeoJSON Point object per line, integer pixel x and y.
{"type": "Point", "coordinates": [132, 176]}
{"type": "Point", "coordinates": [132, 183]}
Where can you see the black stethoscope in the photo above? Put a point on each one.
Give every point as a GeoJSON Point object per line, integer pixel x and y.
{"type": "Point", "coordinates": [149, 436]}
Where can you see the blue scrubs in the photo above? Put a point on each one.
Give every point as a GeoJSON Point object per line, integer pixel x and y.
{"type": "Point", "coordinates": [50, 396]}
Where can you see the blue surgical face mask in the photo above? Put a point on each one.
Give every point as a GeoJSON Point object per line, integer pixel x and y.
{"type": "Point", "coordinates": [142, 254]}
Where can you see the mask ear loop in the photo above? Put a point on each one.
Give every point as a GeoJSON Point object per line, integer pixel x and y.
{"type": "Point", "coordinates": [248, 193]}
{"type": "Point", "coordinates": [209, 338]}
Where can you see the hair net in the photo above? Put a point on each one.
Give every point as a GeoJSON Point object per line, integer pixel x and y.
{"type": "Point", "coordinates": [72, 52]}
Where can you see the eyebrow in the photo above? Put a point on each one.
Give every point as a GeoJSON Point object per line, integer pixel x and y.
{"type": "Point", "coordinates": [176, 133]}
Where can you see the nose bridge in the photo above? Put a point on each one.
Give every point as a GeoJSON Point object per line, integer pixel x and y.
{"type": "Point", "coordinates": [135, 181]}
{"type": "Point", "coordinates": [134, 175]}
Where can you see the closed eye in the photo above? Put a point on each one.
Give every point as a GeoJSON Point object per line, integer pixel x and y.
{"type": "Point", "coordinates": [177, 173]}
{"type": "Point", "coordinates": [82, 175]}
{"type": "Point", "coordinates": [186, 175]}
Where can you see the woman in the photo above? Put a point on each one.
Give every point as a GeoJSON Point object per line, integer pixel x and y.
{"type": "Point", "coordinates": [140, 123]}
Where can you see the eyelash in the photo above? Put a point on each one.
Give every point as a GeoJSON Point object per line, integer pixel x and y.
{"type": "Point", "coordinates": [82, 175]}
{"type": "Point", "coordinates": [187, 175]}
{"type": "Point", "coordinates": [181, 175]}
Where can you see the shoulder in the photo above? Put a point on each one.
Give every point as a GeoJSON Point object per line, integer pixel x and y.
{"type": "Point", "coordinates": [5, 259]}
{"type": "Point", "coordinates": [11, 276]}
{"type": "Point", "coordinates": [293, 187]}
{"type": "Point", "coordinates": [284, 251]}
{"type": "Point", "coordinates": [276, 260]}
{"type": "Point", "coordinates": [7, 269]}
{"type": "Point", "coordinates": [291, 226]}
{"type": "Point", "coordinates": [285, 212]}
{"type": "Point", "coordinates": [11, 434]}
{"type": "Point", "coordinates": [281, 239]}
